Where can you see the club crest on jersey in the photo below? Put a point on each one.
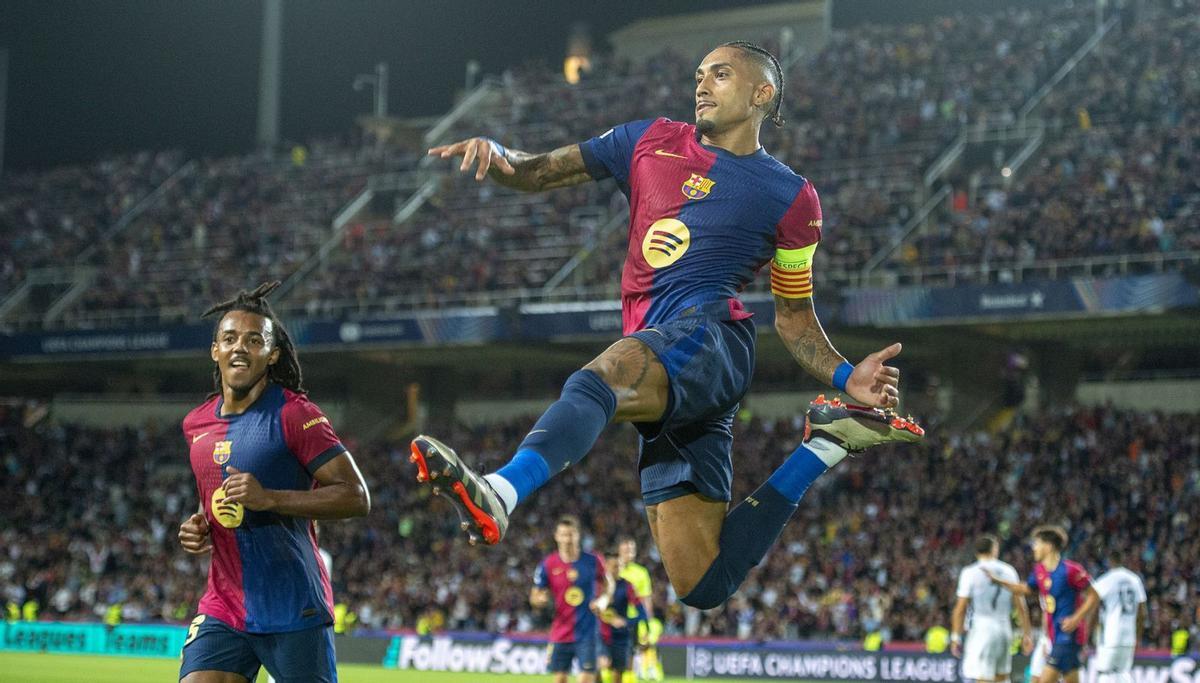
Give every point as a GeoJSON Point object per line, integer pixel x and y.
{"type": "Point", "coordinates": [697, 187]}
{"type": "Point", "coordinates": [221, 451]}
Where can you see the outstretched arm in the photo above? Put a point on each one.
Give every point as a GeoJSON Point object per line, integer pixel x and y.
{"type": "Point", "coordinates": [870, 382]}
{"type": "Point", "coordinates": [519, 170]}
{"type": "Point", "coordinates": [1015, 588]}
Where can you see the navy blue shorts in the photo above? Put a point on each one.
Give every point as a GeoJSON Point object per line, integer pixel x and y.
{"type": "Point", "coordinates": [1064, 657]}
{"type": "Point", "coordinates": [294, 657]}
{"type": "Point", "coordinates": [561, 655]}
{"type": "Point", "coordinates": [619, 652]}
{"type": "Point", "coordinates": [709, 362]}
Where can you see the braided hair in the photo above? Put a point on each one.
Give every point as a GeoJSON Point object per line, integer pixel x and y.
{"type": "Point", "coordinates": [767, 61]}
{"type": "Point", "coordinates": [286, 371]}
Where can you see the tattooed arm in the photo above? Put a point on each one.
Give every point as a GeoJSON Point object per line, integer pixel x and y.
{"type": "Point", "coordinates": [516, 169]}
{"type": "Point", "coordinates": [797, 324]}
{"type": "Point", "coordinates": [871, 382]}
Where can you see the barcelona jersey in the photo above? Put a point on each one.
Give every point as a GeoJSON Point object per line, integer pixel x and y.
{"type": "Point", "coordinates": [573, 587]}
{"type": "Point", "coordinates": [624, 601]}
{"type": "Point", "coordinates": [703, 220]}
{"type": "Point", "coordinates": [1061, 592]}
{"type": "Point", "coordinates": [266, 574]}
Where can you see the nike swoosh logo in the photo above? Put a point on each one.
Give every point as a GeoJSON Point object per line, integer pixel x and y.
{"type": "Point", "coordinates": [536, 431]}
{"type": "Point", "coordinates": [200, 436]}
{"type": "Point", "coordinates": [663, 153]}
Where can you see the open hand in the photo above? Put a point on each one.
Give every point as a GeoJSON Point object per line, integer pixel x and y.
{"type": "Point", "coordinates": [874, 384]}
{"type": "Point", "coordinates": [481, 149]}
{"type": "Point", "coordinates": [193, 535]}
{"type": "Point", "coordinates": [242, 487]}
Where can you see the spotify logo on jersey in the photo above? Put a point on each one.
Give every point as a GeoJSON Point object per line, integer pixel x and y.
{"type": "Point", "coordinates": [665, 241]}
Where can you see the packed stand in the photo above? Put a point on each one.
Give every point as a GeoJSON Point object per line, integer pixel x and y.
{"type": "Point", "coordinates": [48, 218]}
{"type": "Point", "coordinates": [874, 546]}
{"type": "Point", "coordinates": [230, 222]}
{"type": "Point", "coordinates": [1117, 176]}
{"type": "Point", "coordinates": [866, 114]}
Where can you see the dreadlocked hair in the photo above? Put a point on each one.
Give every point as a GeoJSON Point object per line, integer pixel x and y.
{"type": "Point", "coordinates": [765, 59]}
{"type": "Point", "coordinates": [286, 371]}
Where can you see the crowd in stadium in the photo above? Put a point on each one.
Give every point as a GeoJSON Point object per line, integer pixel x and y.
{"type": "Point", "coordinates": [92, 516]}
{"type": "Point", "coordinates": [867, 113]}
{"type": "Point", "coordinates": [47, 219]}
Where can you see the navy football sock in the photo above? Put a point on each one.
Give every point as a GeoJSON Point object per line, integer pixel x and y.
{"type": "Point", "coordinates": [753, 526]}
{"type": "Point", "coordinates": [562, 436]}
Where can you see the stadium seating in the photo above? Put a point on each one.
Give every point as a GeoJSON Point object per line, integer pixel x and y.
{"type": "Point", "coordinates": [863, 552]}
{"type": "Point", "coordinates": [868, 113]}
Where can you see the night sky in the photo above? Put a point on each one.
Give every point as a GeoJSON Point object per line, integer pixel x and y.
{"type": "Point", "coordinates": [87, 77]}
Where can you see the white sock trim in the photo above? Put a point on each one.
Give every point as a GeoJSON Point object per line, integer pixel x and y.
{"type": "Point", "coordinates": [504, 489]}
{"type": "Point", "coordinates": [829, 452]}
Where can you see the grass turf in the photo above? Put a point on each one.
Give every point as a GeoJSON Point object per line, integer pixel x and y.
{"type": "Point", "coordinates": [22, 667]}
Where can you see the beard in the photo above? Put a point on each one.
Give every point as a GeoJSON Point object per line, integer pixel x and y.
{"type": "Point", "coordinates": [705, 126]}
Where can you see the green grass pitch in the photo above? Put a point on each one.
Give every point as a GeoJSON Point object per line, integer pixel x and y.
{"type": "Point", "coordinates": [20, 667]}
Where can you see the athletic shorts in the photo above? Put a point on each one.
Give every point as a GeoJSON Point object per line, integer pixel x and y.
{"type": "Point", "coordinates": [1114, 660]}
{"type": "Point", "coordinates": [584, 651]}
{"type": "Point", "coordinates": [619, 651]}
{"type": "Point", "coordinates": [1064, 657]}
{"type": "Point", "coordinates": [987, 654]}
{"type": "Point", "coordinates": [294, 657]}
{"type": "Point", "coordinates": [709, 362]}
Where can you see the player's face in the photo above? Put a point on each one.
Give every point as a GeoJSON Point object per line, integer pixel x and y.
{"type": "Point", "coordinates": [628, 551]}
{"type": "Point", "coordinates": [613, 564]}
{"type": "Point", "coordinates": [728, 91]}
{"type": "Point", "coordinates": [567, 538]}
{"type": "Point", "coordinates": [244, 350]}
{"type": "Point", "coordinates": [1040, 549]}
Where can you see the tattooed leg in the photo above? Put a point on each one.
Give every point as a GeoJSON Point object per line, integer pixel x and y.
{"type": "Point", "coordinates": [637, 378]}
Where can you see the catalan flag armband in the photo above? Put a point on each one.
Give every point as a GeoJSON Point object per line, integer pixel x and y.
{"type": "Point", "coordinates": [791, 272]}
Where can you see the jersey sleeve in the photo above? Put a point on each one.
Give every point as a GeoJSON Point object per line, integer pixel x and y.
{"type": "Point", "coordinates": [611, 155]}
{"type": "Point", "coordinates": [540, 579]}
{"type": "Point", "coordinates": [308, 433]}
{"type": "Point", "coordinates": [1104, 586]}
{"type": "Point", "coordinates": [1078, 577]}
{"type": "Point", "coordinates": [796, 238]}
{"type": "Point", "coordinates": [964, 584]}
{"type": "Point", "coordinates": [1141, 589]}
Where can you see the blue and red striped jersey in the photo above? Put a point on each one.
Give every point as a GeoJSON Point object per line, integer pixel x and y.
{"type": "Point", "coordinates": [266, 574]}
{"type": "Point", "coordinates": [703, 221]}
{"type": "Point", "coordinates": [573, 586]}
{"type": "Point", "coordinates": [1061, 592]}
{"type": "Point", "coordinates": [623, 597]}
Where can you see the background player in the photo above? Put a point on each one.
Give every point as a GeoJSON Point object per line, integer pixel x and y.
{"type": "Point", "coordinates": [257, 446]}
{"type": "Point", "coordinates": [708, 208]}
{"type": "Point", "coordinates": [571, 577]}
{"type": "Point", "coordinates": [1122, 616]}
{"type": "Point", "coordinates": [987, 655]}
{"type": "Point", "coordinates": [617, 628]}
{"type": "Point", "coordinates": [1067, 598]}
{"type": "Point", "coordinates": [645, 661]}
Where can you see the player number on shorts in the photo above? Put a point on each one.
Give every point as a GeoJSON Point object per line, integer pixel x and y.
{"type": "Point", "coordinates": [193, 629]}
